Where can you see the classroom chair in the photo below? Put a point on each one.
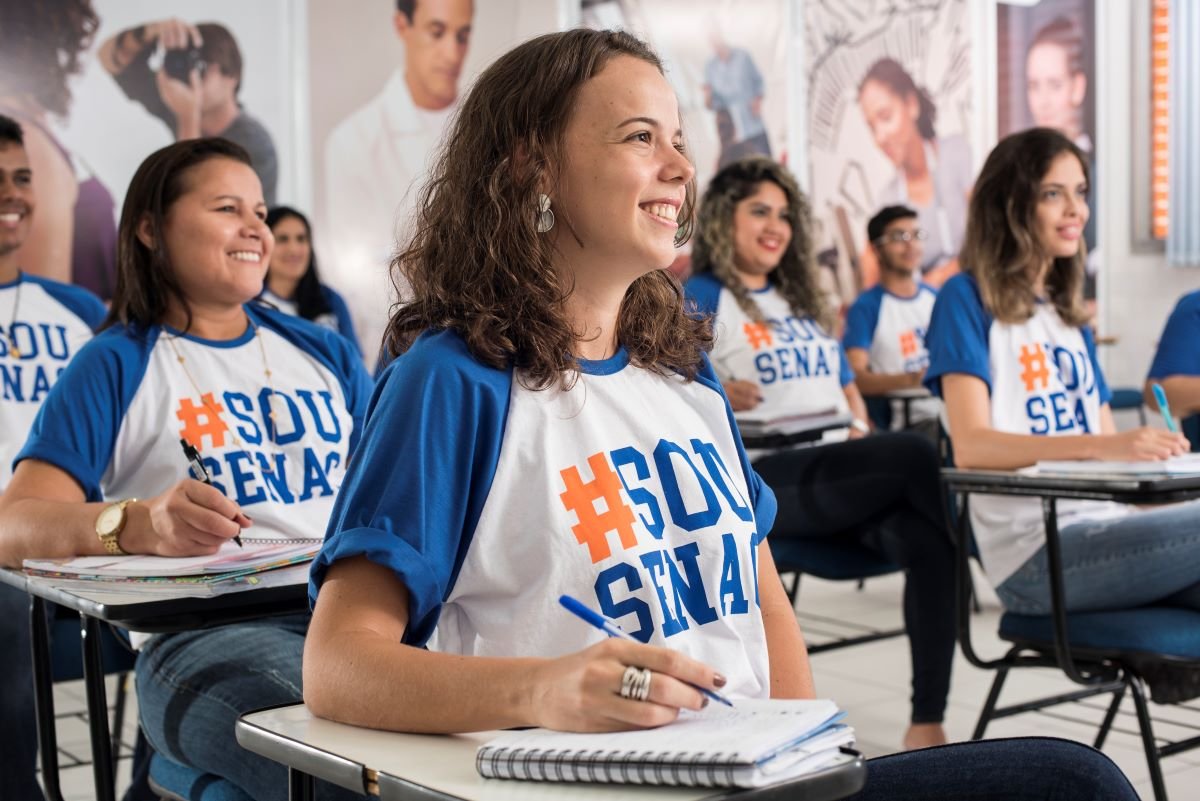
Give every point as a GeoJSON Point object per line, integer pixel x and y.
{"type": "Point", "coordinates": [1129, 399]}
{"type": "Point", "coordinates": [1191, 429]}
{"type": "Point", "coordinates": [175, 782]}
{"type": "Point", "coordinates": [1112, 652]}
{"type": "Point", "coordinates": [833, 561]}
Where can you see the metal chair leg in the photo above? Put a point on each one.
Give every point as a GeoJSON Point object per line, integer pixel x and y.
{"type": "Point", "coordinates": [989, 706]}
{"type": "Point", "coordinates": [1146, 728]}
{"type": "Point", "coordinates": [1109, 717]}
{"type": "Point", "coordinates": [119, 716]}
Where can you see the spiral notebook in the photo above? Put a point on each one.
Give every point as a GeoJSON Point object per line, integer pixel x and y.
{"type": "Point", "coordinates": [230, 561]}
{"type": "Point", "coordinates": [754, 744]}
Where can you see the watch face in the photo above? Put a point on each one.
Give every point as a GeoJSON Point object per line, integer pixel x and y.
{"type": "Point", "coordinates": [110, 519]}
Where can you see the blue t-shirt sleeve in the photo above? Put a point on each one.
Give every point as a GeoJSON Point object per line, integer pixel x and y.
{"type": "Point", "coordinates": [861, 321]}
{"type": "Point", "coordinates": [762, 499]}
{"type": "Point", "coordinates": [76, 428]}
{"type": "Point", "coordinates": [416, 486]}
{"type": "Point", "coordinates": [1179, 346]}
{"type": "Point", "coordinates": [702, 294]}
{"type": "Point", "coordinates": [845, 371]}
{"type": "Point", "coordinates": [79, 301]}
{"type": "Point", "coordinates": [957, 339]}
{"type": "Point", "coordinates": [342, 312]}
{"type": "Point", "coordinates": [1089, 340]}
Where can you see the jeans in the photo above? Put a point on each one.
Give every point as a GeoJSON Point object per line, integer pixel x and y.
{"type": "Point", "coordinates": [883, 492]}
{"type": "Point", "coordinates": [193, 686]}
{"type": "Point", "coordinates": [1142, 558]}
{"type": "Point", "coordinates": [1027, 769]}
{"type": "Point", "coordinates": [18, 722]}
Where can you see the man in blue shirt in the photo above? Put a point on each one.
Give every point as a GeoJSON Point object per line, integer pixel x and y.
{"type": "Point", "coordinates": [733, 88]}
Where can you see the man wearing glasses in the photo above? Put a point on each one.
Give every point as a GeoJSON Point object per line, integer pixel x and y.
{"type": "Point", "coordinates": [885, 328]}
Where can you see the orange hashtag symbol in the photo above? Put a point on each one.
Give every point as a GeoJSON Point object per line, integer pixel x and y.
{"type": "Point", "coordinates": [580, 498]}
{"type": "Point", "coordinates": [908, 344]}
{"type": "Point", "coordinates": [202, 421]}
{"type": "Point", "coordinates": [758, 334]}
{"type": "Point", "coordinates": [1034, 370]}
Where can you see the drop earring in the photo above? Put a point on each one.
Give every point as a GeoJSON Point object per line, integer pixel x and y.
{"type": "Point", "coordinates": [545, 217]}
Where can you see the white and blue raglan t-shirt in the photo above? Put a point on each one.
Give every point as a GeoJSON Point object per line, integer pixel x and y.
{"type": "Point", "coordinates": [1043, 379]}
{"type": "Point", "coordinates": [336, 319]}
{"type": "Point", "coordinates": [799, 367]}
{"type": "Point", "coordinates": [891, 329]}
{"type": "Point", "coordinates": [115, 418]}
{"type": "Point", "coordinates": [1179, 346]}
{"type": "Point", "coordinates": [48, 322]}
{"type": "Point", "coordinates": [488, 500]}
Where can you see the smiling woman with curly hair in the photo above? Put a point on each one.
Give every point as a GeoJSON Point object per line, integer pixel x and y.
{"type": "Point", "coordinates": [757, 279]}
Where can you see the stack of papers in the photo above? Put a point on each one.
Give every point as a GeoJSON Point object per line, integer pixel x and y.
{"type": "Point", "coordinates": [1187, 464]}
{"type": "Point", "coordinates": [751, 424]}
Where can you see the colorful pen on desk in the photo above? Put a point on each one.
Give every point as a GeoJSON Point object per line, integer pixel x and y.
{"type": "Point", "coordinates": [1160, 398]}
{"type": "Point", "coordinates": [610, 628]}
{"type": "Point", "coordinates": [199, 472]}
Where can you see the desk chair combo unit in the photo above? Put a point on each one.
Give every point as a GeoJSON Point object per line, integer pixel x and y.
{"type": "Point", "coordinates": [1113, 652]}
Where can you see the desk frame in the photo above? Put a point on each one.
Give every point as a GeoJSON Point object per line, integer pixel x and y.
{"type": "Point", "coordinates": [143, 614]}
{"type": "Point", "coordinates": [1096, 672]}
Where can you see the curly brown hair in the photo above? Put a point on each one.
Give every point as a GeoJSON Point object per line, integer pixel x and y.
{"type": "Point", "coordinates": [1000, 247]}
{"type": "Point", "coordinates": [713, 252]}
{"type": "Point", "coordinates": [477, 266]}
{"type": "Point", "coordinates": [40, 45]}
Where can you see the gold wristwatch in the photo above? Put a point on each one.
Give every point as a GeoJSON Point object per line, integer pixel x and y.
{"type": "Point", "coordinates": [110, 523]}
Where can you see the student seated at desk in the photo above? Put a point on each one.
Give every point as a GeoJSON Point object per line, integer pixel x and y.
{"type": "Point", "coordinates": [564, 433]}
{"type": "Point", "coordinates": [1176, 363]}
{"type": "Point", "coordinates": [756, 278]}
{"type": "Point", "coordinates": [293, 281]}
{"type": "Point", "coordinates": [885, 327]}
{"type": "Point", "coordinates": [48, 323]}
{"type": "Point", "coordinates": [274, 405]}
{"type": "Point", "coordinates": [1013, 357]}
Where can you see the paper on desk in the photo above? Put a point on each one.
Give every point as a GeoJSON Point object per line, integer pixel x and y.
{"type": "Point", "coordinates": [1187, 464]}
{"type": "Point", "coordinates": [228, 562]}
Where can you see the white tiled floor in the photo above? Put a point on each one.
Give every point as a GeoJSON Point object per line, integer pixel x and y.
{"type": "Point", "coordinates": [872, 683]}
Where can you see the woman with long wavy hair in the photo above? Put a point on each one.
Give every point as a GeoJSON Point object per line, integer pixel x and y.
{"type": "Point", "coordinates": [1015, 361]}
{"type": "Point", "coordinates": [756, 278]}
{"type": "Point", "coordinates": [548, 364]}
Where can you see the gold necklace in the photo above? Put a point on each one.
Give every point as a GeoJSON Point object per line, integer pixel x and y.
{"type": "Point", "coordinates": [218, 411]}
{"type": "Point", "coordinates": [12, 319]}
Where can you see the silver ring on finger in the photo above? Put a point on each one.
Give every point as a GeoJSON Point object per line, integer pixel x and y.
{"type": "Point", "coordinates": [635, 683]}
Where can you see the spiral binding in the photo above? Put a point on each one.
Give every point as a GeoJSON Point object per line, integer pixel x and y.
{"type": "Point", "coordinates": [671, 768]}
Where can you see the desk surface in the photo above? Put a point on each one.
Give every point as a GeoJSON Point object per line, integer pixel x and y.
{"type": "Point", "coordinates": [1127, 488]}
{"type": "Point", "coordinates": [793, 432]}
{"type": "Point", "coordinates": [913, 393]}
{"type": "Point", "coordinates": [442, 767]}
{"type": "Point", "coordinates": [145, 611]}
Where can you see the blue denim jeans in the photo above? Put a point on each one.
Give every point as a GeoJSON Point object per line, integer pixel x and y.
{"type": "Point", "coordinates": [1027, 769]}
{"type": "Point", "coordinates": [1151, 556]}
{"type": "Point", "coordinates": [193, 686]}
{"type": "Point", "coordinates": [18, 723]}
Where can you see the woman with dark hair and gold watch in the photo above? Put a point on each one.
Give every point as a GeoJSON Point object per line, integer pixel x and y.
{"type": "Point", "coordinates": [273, 405]}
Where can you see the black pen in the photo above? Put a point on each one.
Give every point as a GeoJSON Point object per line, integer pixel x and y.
{"type": "Point", "coordinates": [196, 468]}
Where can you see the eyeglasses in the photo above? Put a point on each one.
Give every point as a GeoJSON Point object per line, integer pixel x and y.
{"type": "Point", "coordinates": [918, 234]}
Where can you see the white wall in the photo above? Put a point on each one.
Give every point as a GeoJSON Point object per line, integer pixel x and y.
{"type": "Point", "coordinates": [1138, 289]}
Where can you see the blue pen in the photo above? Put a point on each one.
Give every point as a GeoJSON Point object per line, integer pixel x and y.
{"type": "Point", "coordinates": [1164, 409]}
{"type": "Point", "coordinates": [613, 630]}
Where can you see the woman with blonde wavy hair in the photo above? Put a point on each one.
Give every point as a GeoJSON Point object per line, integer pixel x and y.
{"type": "Point", "coordinates": [1013, 358]}
{"type": "Point", "coordinates": [757, 279]}
{"type": "Point", "coordinates": [547, 364]}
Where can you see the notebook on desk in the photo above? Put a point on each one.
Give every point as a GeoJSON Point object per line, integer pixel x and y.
{"type": "Point", "coordinates": [257, 555]}
{"type": "Point", "coordinates": [754, 744]}
{"type": "Point", "coordinates": [752, 424]}
{"type": "Point", "coordinates": [1185, 465]}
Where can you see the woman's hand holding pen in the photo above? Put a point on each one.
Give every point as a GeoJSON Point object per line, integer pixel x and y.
{"type": "Point", "coordinates": [743, 395]}
{"type": "Point", "coordinates": [1141, 444]}
{"type": "Point", "coordinates": [189, 519]}
{"type": "Point", "coordinates": [582, 691]}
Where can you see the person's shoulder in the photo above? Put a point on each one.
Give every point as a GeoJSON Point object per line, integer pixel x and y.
{"type": "Point", "coordinates": [332, 296]}
{"type": "Point", "coordinates": [869, 298]}
{"type": "Point", "coordinates": [704, 291]}
{"type": "Point", "coordinates": [961, 288]}
{"type": "Point", "coordinates": [304, 334]}
{"type": "Point", "coordinates": [79, 301]}
{"type": "Point", "coordinates": [1189, 303]}
{"type": "Point", "coordinates": [445, 353]}
{"type": "Point", "coordinates": [361, 125]}
{"type": "Point", "coordinates": [121, 346]}
{"type": "Point", "coordinates": [927, 289]}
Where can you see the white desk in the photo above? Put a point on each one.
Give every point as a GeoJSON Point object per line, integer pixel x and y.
{"type": "Point", "coordinates": [420, 767]}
